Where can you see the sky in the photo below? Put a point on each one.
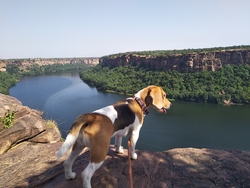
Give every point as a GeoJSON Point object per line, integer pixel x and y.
{"type": "Point", "coordinates": [95, 28]}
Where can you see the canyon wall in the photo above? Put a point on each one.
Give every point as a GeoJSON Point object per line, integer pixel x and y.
{"type": "Point", "coordinates": [24, 63]}
{"type": "Point", "coordinates": [193, 62]}
{"type": "Point", "coordinates": [190, 62]}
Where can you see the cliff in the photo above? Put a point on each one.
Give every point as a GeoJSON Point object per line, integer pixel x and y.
{"type": "Point", "coordinates": [192, 62]}
{"type": "Point", "coordinates": [24, 63]}
{"type": "Point", "coordinates": [26, 147]}
{"type": "Point", "coordinates": [27, 125]}
{"type": "Point", "coordinates": [28, 159]}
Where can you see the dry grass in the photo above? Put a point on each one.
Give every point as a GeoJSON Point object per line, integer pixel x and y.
{"type": "Point", "coordinates": [52, 124]}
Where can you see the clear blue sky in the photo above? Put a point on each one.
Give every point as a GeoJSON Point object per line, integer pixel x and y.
{"type": "Point", "coordinates": [94, 28]}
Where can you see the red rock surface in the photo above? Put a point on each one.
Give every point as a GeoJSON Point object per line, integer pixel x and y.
{"type": "Point", "coordinates": [35, 165]}
{"type": "Point", "coordinates": [187, 167]}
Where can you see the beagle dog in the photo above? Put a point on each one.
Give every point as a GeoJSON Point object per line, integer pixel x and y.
{"type": "Point", "coordinates": [94, 130]}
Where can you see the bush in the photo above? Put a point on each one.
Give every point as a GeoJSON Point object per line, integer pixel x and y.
{"type": "Point", "coordinates": [8, 119]}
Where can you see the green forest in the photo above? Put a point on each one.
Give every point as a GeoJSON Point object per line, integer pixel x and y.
{"type": "Point", "coordinates": [6, 81]}
{"type": "Point", "coordinates": [13, 72]}
{"type": "Point", "coordinates": [35, 69]}
{"type": "Point", "coordinates": [231, 83]}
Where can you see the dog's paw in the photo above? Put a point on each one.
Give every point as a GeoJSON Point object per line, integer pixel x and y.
{"type": "Point", "coordinates": [70, 176]}
{"type": "Point", "coordinates": [134, 156]}
{"type": "Point", "coordinates": [120, 150]}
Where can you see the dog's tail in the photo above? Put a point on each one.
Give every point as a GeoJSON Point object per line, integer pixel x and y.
{"type": "Point", "coordinates": [71, 137]}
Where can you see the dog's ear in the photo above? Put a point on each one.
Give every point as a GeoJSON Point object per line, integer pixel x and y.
{"type": "Point", "coordinates": [158, 97]}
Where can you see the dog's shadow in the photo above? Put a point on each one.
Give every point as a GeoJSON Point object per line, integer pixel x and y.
{"type": "Point", "coordinates": [103, 177]}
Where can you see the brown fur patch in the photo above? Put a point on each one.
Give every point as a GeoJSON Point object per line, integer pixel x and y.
{"type": "Point", "coordinates": [100, 131]}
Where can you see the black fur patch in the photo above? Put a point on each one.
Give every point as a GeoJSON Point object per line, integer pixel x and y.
{"type": "Point", "coordinates": [125, 115]}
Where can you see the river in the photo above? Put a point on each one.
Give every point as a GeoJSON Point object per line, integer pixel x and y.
{"type": "Point", "coordinates": [63, 97]}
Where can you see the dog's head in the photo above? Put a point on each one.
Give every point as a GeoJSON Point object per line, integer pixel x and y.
{"type": "Point", "coordinates": [156, 97]}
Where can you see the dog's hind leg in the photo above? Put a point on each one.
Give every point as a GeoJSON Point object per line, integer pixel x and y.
{"type": "Point", "coordinates": [97, 157]}
{"type": "Point", "coordinates": [88, 172]}
{"type": "Point", "coordinates": [98, 151]}
{"type": "Point", "coordinates": [76, 150]}
{"type": "Point", "coordinates": [118, 143]}
{"type": "Point", "coordinates": [99, 133]}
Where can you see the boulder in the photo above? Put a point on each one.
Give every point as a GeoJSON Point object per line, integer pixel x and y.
{"type": "Point", "coordinates": [28, 125]}
{"type": "Point", "coordinates": [20, 131]}
{"type": "Point", "coordinates": [50, 135]}
{"type": "Point", "coordinates": [29, 164]}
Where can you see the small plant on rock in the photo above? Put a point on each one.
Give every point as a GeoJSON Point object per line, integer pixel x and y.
{"type": "Point", "coordinates": [8, 119]}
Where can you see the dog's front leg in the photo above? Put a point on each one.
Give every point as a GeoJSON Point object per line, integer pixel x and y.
{"type": "Point", "coordinates": [118, 143]}
{"type": "Point", "coordinates": [133, 139]}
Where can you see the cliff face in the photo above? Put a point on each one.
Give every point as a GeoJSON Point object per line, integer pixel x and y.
{"type": "Point", "coordinates": [28, 125]}
{"type": "Point", "coordinates": [24, 63]}
{"type": "Point", "coordinates": [193, 62]}
{"type": "Point", "coordinates": [26, 148]}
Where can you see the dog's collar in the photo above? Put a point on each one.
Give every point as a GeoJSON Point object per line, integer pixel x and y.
{"type": "Point", "coordinates": [142, 105]}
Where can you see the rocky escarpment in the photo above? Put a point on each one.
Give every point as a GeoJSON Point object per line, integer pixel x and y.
{"type": "Point", "coordinates": [26, 146]}
{"type": "Point", "coordinates": [192, 62]}
{"type": "Point", "coordinates": [28, 125]}
{"type": "Point", "coordinates": [24, 63]}
{"type": "Point", "coordinates": [28, 159]}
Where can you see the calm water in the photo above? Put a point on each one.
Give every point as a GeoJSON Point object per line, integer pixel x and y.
{"type": "Point", "coordinates": [64, 97]}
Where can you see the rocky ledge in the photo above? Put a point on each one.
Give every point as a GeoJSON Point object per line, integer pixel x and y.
{"type": "Point", "coordinates": [192, 62]}
{"type": "Point", "coordinates": [28, 125]}
{"type": "Point", "coordinates": [28, 159]}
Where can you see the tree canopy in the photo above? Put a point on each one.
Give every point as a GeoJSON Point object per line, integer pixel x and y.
{"type": "Point", "coordinates": [231, 83]}
{"type": "Point", "coordinates": [6, 81]}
